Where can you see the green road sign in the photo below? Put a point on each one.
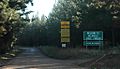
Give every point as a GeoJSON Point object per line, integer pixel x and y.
{"type": "Point", "coordinates": [93, 43]}
{"type": "Point", "coordinates": [92, 35]}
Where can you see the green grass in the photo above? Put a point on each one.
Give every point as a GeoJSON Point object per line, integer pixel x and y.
{"type": "Point", "coordinates": [70, 53]}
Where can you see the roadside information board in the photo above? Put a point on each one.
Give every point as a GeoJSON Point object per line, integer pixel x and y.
{"type": "Point", "coordinates": [65, 31]}
{"type": "Point", "coordinates": [92, 35]}
{"type": "Point", "coordinates": [65, 24]}
{"type": "Point", "coordinates": [93, 43]}
{"type": "Point", "coordinates": [93, 38]}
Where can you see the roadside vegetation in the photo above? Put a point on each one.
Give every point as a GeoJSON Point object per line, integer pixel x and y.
{"type": "Point", "coordinates": [71, 53]}
{"type": "Point", "coordinates": [100, 59]}
{"type": "Point", "coordinates": [108, 60]}
{"type": "Point", "coordinates": [13, 19]}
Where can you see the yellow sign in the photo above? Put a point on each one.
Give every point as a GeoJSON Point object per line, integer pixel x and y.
{"type": "Point", "coordinates": [65, 39]}
{"type": "Point", "coordinates": [65, 33]}
{"type": "Point", "coordinates": [65, 27]}
{"type": "Point", "coordinates": [65, 24]}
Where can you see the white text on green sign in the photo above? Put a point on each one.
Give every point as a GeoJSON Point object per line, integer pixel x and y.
{"type": "Point", "coordinates": [92, 35]}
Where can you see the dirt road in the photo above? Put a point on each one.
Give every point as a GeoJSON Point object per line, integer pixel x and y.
{"type": "Point", "coordinates": [32, 58]}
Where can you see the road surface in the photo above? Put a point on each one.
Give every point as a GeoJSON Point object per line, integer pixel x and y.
{"type": "Point", "coordinates": [32, 58]}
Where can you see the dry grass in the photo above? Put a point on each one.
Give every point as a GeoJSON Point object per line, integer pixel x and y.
{"type": "Point", "coordinates": [70, 53]}
{"type": "Point", "coordinates": [110, 60]}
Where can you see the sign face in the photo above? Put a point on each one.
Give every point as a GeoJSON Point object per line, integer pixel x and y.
{"type": "Point", "coordinates": [92, 35]}
{"type": "Point", "coordinates": [65, 35]}
{"type": "Point", "coordinates": [65, 24]}
{"type": "Point", "coordinates": [65, 31]}
{"type": "Point", "coordinates": [93, 43]}
{"type": "Point", "coordinates": [65, 39]}
{"type": "Point", "coordinates": [63, 45]}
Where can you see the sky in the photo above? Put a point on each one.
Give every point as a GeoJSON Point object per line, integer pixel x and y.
{"type": "Point", "coordinates": [41, 7]}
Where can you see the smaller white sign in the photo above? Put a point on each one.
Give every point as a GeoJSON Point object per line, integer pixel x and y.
{"type": "Point", "coordinates": [63, 45]}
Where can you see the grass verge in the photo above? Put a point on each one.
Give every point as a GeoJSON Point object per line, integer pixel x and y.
{"type": "Point", "coordinates": [70, 53]}
{"type": "Point", "coordinates": [110, 60]}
